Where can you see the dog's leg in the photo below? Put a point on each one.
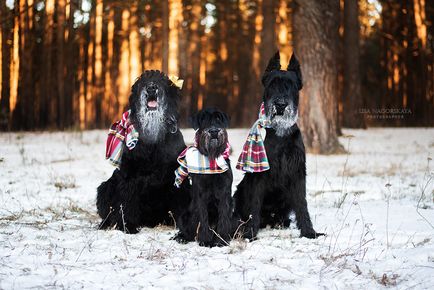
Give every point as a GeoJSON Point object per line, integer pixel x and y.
{"type": "Point", "coordinates": [255, 191]}
{"type": "Point", "coordinates": [248, 204]}
{"type": "Point", "coordinates": [200, 206]}
{"type": "Point", "coordinates": [224, 224]}
{"type": "Point", "coordinates": [125, 204]}
{"type": "Point", "coordinates": [106, 196]}
{"type": "Point", "coordinates": [299, 204]}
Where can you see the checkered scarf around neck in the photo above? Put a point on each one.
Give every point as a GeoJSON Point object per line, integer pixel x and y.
{"type": "Point", "coordinates": [253, 158]}
{"type": "Point", "coordinates": [192, 161]}
{"type": "Point", "coordinates": [120, 133]}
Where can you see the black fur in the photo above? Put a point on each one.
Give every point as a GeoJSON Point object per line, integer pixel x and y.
{"type": "Point", "coordinates": [267, 198]}
{"type": "Point", "coordinates": [211, 206]}
{"type": "Point", "coordinates": [141, 192]}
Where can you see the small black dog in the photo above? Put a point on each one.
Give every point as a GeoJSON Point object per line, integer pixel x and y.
{"type": "Point", "coordinates": [209, 216]}
{"type": "Point", "coordinates": [268, 197]}
{"type": "Point", "coordinates": [141, 191]}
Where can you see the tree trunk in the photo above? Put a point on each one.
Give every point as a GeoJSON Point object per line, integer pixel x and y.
{"type": "Point", "coordinates": [315, 29]}
{"type": "Point", "coordinates": [60, 41]}
{"type": "Point", "coordinates": [268, 34]}
{"type": "Point", "coordinates": [71, 57]}
{"type": "Point", "coordinates": [165, 4]}
{"type": "Point", "coordinates": [6, 37]}
{"type": "Point", "coordinates": [46, 90]}
{"type": "Point", "coordinates": [98, 85]}
{"type": "Point", "coordinates": [352, 97]}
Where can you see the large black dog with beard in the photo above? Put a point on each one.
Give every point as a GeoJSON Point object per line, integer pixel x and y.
{"type": "Point", "coordinates": [267, 198]}
{"type": "Point", "coordinates": [209, 216]}
{"type": "Point", "coordinates": [141, 192]}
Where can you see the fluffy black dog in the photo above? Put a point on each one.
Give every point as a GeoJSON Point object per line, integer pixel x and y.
{"type": "Point", "coordinates": [141, 192]}
{"type": "Point", "coordinates": [267, 198]}
{"type": "Point", "coordinates": [209, 216]}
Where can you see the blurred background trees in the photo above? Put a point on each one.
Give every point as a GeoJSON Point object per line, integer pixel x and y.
{"type": "Point", "coordinates": [71, 63]}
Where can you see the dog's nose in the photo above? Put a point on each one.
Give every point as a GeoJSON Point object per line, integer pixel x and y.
{"type": "Point", "coordinates": [214, 132]}
{"type": "Point", "coordinates": [280, 107]}
{"type": "Point", "coordinates": [151, 89]}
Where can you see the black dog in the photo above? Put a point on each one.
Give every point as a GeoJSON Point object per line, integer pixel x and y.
{"type": "Point", "coordinates": [267, 198]}
{"type": "Point", "coordinates": [209, 216]}
{"type": "Point", "coordinates": [141, 191]}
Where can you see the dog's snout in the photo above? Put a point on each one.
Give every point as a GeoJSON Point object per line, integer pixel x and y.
{"type": "Point", "coordinates": [152, 89]}
{"type": "Point", "coordinates": [214, 132]}
{"type": "Point", "coordinates": [280, 106]}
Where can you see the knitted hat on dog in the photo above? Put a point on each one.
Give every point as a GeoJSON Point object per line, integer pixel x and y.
{"type": "Point", "coordinates": [253, 158]}
{"type": "Point", "coordinates": [120, 133]}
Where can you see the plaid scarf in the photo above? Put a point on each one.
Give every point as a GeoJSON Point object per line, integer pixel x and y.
{"type": "Point", "coordinates": [192, 161]}
{"type": "Point", "coordinates": [120, 133]}
{"type": "Point", "coordinates": [253, 158]}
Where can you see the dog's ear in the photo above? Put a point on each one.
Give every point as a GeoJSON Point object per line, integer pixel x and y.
{"type": "Point", "coordinates": [226, 119]}
{"type": "Point", "coordinates": [194, 121]}
{"type": "Point", "coordinates": [294, 66]}
{"type": "Point", "coordinates": [274, 63]}
{"type": "Point", "coordinates": [135, 87]}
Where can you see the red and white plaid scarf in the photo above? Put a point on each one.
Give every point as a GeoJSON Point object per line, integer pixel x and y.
{"type": "Point", "coordinates": [253, 158]}
{"type": "Point", "coordinates": [192, 161]}
{"type": "Point", "coordinates": [121, 133]}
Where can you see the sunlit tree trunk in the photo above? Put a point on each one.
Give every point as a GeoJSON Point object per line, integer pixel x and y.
{"type": "Point", "coordinates": [90, 73]}
{"type": "Point", "coordinates": [123, 81]}
{"type": "Point", "coordinates": [72, 59]}
{"type": "Point", "coordinates": [195, 48]}
{"type": "Point", "coordinates": [315, 34]}
{"type": "Point", "coordinates": [352, 97]}
{"type": "Point", "coordinates": [134, 43]}
{"type": "Point", "coordinates": [98, 85]}
{"type": "Point", "coordinates": [109, 103]}
{"type": "Point", "coordinates": [15, 63]}
{"type": "Point", "coordinates": [175, 23]}
{"type": "Point", "coordinates": [165, 40]}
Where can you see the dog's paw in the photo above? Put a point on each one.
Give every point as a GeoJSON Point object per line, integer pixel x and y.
{"type": "Point", "coordinates": [311, 235]}
{"type": "Point", "coordinates": [127, 229]}
{"type": "Point", "coordinates": [131, 230]}
{"type": "Point", "coordinates": [250, 237]}
{"type": "Point", "coordinates": [208, 244]}
{"type": "Point", "coordinates": [179, 237]}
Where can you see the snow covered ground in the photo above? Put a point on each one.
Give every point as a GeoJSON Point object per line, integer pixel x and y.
{"type": "Point", "coordinates": [375, 204]}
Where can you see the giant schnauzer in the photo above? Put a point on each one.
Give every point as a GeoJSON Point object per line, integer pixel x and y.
{"type": "Point", "coordinates": [141, 192]}
{"type": "Point", "coordinates": [209, 216]}
{"type": "Point", "coordinates": [275, 179]}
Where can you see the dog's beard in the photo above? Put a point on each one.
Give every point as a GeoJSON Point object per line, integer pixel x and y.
{"type": "Point", "coordinates": [212, 147]}
{"type": "Point", "coordinates": [282, 124]}
{"type": "Point", "coordinates": [152, 123]}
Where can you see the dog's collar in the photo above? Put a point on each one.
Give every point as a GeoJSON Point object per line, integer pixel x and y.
{"type": "Point", "coordinates": [192, 161]}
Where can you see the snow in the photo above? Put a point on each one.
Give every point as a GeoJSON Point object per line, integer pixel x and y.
{"type": "Point", "coordinates": [366, 201]}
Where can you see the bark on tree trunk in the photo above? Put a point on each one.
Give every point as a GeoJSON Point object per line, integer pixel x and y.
{"type": "Point", "coordinates": [165, 7]}
{"type": "Point", "coordinates": [315, 29]}
{"type": "Point", "coordinates": [6, 36]}
{"type": "Point", "coordinates": [46, 90]}
{"type": "Point", "coordinates": [268, 34]}
{"type": "Point", "coordinates": [352, 97]}
{"type": "Point", "coordinates": [60, 40]}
